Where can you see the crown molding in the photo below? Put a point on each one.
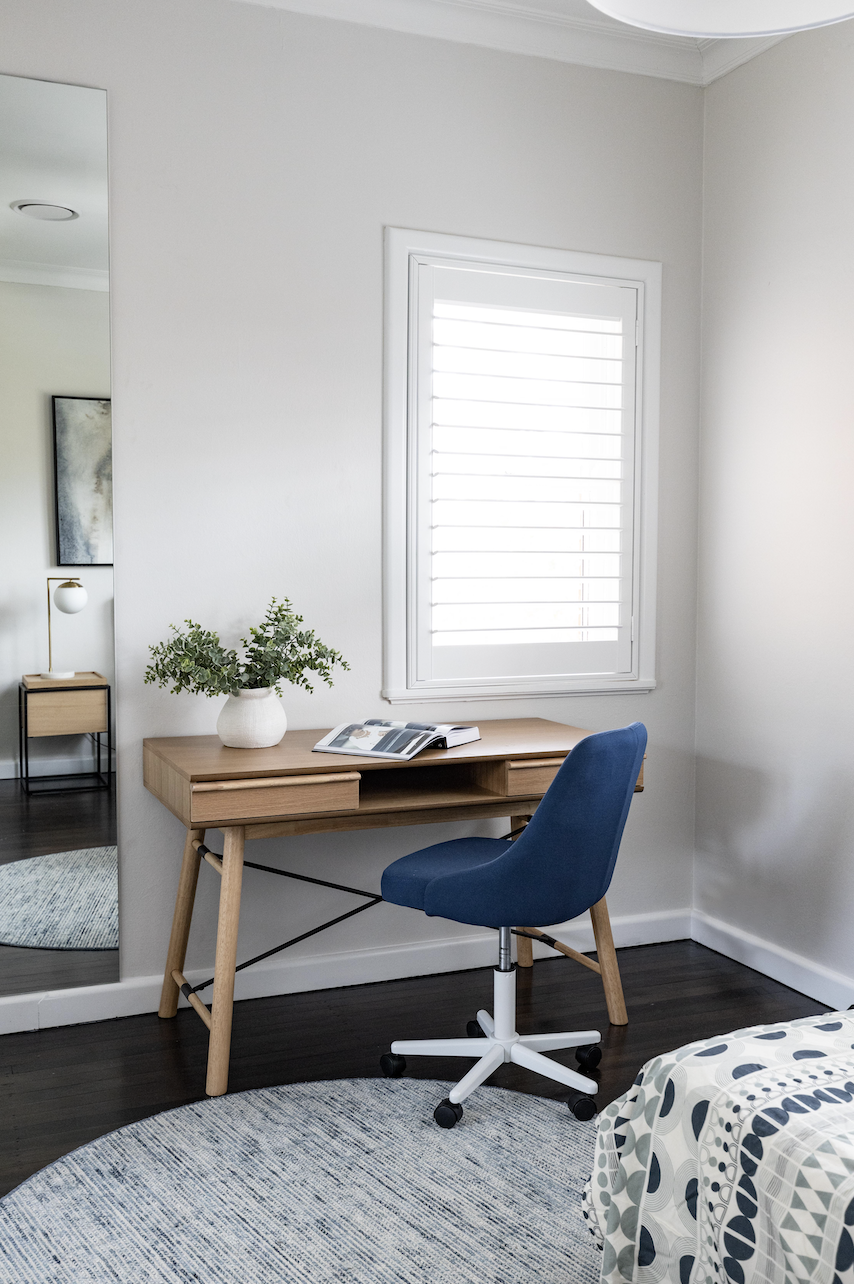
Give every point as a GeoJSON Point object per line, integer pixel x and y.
{"type": "Point", "coordinates": [542, 33]}
{"type": "Point", "coordinates": [512, 29]}
{"type": "Point", "coordinates": [22, 273]}
{"type": "Point", "coordinates": [721, 56]}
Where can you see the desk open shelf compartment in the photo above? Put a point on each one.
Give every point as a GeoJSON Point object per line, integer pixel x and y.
{"type": "Point", "coordinates": [405, 789]}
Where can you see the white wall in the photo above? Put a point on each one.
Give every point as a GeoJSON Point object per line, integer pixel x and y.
{"type": "Point", "coordinates": [256, 155]}
{"type": "Point", "coordinates": [53, 340]}
{"type": "Point", "coordinates": [775, 826]}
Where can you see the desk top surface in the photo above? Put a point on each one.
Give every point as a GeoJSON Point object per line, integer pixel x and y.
{"type": "Point", "coordinates": [206, 758]}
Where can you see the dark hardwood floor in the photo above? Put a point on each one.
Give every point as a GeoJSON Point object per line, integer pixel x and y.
{"type": "Point", "coordinates": [60, 1088]}
{"type": "Point", "coordinates": [37, 826]}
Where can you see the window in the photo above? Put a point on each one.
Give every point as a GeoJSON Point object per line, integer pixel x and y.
{"type": "Point", "coordinates": [520, 417]}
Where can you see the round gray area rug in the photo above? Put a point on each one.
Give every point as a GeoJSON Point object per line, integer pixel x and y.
{"type": "Point", "coordinates": [348, 1181]}
{"type": "Point", "coordinates": [64, 901]}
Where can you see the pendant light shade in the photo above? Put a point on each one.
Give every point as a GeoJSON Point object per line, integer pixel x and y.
{"type": "Point", "coordinates": [70, 597]}
{"type": "Point", "coordinates": [722, 18]}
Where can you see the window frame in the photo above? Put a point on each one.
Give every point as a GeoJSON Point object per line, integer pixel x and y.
{"type": "Point", "coordinates": [402, 250]}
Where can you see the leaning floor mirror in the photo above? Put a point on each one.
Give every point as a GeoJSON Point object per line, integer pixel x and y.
{"type": "Point", "coordinates": [58, 859]}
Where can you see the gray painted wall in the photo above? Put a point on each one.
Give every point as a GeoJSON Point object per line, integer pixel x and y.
{"type": "Point", "coordinates": [255, 157]}
{"type": "Point", "coordinates": [53, 340]}
{"type": "Point", "coordinates": [775, 767]}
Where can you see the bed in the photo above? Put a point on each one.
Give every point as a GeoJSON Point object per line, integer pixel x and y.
{"type": "Point", "coordinates": [731, 1161]}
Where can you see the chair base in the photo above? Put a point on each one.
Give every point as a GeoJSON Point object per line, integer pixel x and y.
{"type": "Point", "coordinates": [502, 1043]}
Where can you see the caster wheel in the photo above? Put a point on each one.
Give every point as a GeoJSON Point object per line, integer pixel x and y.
{"type": "Point", "coordinates": [589, 1056]}
{"type": "Point", "coordinates": [474, 1031]}
{"type": "Point", "coordinates": [447, 1114]}
{"type": "Point", "coordinates": [582, 1106]}
{"type": "Point", "coordinates": [392, 1065]}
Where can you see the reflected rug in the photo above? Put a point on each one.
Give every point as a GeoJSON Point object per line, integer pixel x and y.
{"type": "Point", "coordinates": [64, 901]}
{"type": "Point", "coordinates": [348, 1182]}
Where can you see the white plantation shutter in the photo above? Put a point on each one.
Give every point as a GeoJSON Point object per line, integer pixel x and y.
{"type": "Point", "coordinates": [521, 560]}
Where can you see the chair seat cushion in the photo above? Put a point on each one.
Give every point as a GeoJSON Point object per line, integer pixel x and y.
{"type": "Point", "coordinates": [406, 881]}
{"type": "Point", "coordinates": [558, 867]}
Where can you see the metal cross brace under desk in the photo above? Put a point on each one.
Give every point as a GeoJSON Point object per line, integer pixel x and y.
{"type": "Point", "coordinates": [286, 790]}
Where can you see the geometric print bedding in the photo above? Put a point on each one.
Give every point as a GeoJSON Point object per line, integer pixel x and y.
{"type": "Point", "coordinates": [731, 1161]}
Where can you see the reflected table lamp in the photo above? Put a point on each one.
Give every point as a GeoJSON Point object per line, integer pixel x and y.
{"type": "Point", "coordinates": [70, 597]}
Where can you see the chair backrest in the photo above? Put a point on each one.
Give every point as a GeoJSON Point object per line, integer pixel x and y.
{"type": "Point", "coordinates": [573, 839]}
{"type": "Point", "coordinates": [562, 864]}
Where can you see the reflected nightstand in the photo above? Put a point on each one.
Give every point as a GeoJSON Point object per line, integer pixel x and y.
{"type": "Point", "coordinates": [65, 707]}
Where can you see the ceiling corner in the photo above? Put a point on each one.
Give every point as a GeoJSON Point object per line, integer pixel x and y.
{"type": "Point", "coordinates": [721, 56]}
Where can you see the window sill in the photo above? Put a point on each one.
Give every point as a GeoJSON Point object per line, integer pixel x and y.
{"type": "Point", "coordinates": [601, 686]}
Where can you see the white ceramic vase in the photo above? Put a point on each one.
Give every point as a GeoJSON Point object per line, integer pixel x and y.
{"type": "Point", "coordinates": [252, 719]}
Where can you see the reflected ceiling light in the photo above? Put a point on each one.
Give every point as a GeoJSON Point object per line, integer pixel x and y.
{"type": "Point", "coordinates": [46, 212]}
{"type": "Point", "coordinates": [722, 18]}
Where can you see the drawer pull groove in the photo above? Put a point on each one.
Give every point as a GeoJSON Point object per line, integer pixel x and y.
{"type": "Point", "coordinates": [523, 763]}
{"type": "Point", "coordinates": [274, 782]}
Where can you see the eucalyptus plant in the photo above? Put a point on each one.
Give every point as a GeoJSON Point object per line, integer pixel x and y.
{"type": "Point", "coordinates": [278, 650]}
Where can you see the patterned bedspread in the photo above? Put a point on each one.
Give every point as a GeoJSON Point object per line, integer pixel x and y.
{"type": "Point", "coordinates": [732, 1159]}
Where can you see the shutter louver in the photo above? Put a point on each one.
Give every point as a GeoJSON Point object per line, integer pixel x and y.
{"type": "Point", "coordinates": [526, 469]}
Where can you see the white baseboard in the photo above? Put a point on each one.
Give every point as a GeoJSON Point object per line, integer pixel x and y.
{"type": "Point", "coordinates": [795, 970]}
{"type": "Point", "coordinates": [9, 769]}
{"type": "Point", "coordinates": [139, 994]}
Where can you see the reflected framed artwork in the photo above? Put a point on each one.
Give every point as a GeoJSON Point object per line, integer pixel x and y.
{"type": "Point", "coordinates": [83, 472]}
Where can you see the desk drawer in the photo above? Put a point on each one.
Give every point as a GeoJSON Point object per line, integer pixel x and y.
{"type": "Point", "coordinates": [66, 713]}
{"type": "Point", "coordinates": [278, 796]}
{"type": "Point", "coordinates": [535, 775]}
{"type": "Point", "coordinates": [531, 776]}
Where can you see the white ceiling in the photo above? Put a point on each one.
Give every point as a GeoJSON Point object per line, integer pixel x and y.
{"type": "Point", "coordinates": [566, 30]}
{"type": "Point", "coordinates": [53, 148]}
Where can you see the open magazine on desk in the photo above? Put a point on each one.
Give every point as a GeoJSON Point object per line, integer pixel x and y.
{"type": "Point", "coordinates": [378, 738]}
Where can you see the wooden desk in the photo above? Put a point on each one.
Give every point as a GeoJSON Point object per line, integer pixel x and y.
{"type": "Point", "coordinates": [266, 793]}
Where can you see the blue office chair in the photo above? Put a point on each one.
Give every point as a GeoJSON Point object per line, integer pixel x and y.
{"type": "Point", "coordinates": [559, 867]}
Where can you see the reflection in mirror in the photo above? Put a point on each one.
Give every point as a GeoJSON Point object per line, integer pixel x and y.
{"type": "Point", "coordinates": [58, 882]}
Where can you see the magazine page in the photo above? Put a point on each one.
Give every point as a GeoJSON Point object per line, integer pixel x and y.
{"type": "Point", "coordinates": [382, 738]}
{"type": "Point", "coordinates": [378, 737]}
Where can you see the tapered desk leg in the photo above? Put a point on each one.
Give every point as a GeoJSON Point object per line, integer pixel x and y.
{"type": "Point", "coordinates": [219, 1048]}
{"type": "Point", "coordinates": [607, 957]}
{"type": "Point", "coordinates": [524, 945]}
{"type": "Point", "coordinates": [181, 923]}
